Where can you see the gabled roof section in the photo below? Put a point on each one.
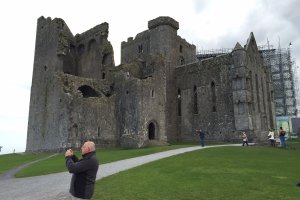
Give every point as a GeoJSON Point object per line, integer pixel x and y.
{"type": "Point", "coordinates": [251, 43]}
{"type": "Point", "coordinates": [238, 46]}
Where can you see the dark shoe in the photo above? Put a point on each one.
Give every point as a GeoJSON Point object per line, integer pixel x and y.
{"type": "Point", "coordinates": [298, 184]}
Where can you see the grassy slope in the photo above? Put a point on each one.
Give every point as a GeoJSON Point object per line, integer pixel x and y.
{"type": "Point", "coordinates": [10, 161]}
{"type": "Point", "coordinates": [57, 163]}
{"type": "Point", "coordinates": [217, 173]}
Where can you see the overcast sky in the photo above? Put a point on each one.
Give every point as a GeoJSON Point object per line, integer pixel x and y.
{"type": "Point", "coordinates": [208, 24]}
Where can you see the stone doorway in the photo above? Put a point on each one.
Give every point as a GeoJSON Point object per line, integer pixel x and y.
{"type": "Point", "coordinates": [151, 131]}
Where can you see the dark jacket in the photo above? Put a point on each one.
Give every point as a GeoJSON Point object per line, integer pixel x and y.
{"type": "Point", "coordinates": [84, 175]}
{"type": "Point", "coordinates": [200, 133]}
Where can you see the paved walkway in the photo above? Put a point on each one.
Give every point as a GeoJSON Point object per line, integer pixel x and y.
{"type": "Point", "coordinates": [56, 186]}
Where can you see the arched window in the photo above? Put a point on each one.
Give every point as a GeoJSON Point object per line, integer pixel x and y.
{"type": "Point", "coordinates": [151, 131]}
{"type": "Point", "coordinates": [80, 49]}
{"type": "Point", "coordinates": [106, 58]}
{"type": "Point", "coordinates": [92, 44]}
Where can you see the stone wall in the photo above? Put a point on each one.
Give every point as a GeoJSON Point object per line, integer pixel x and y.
{"type": "Point", "coordinates": [159, 93]}
{"type": "Point", "coordinates": [204, 96]}
{"type": "Point", "coordinates": [141, 94]}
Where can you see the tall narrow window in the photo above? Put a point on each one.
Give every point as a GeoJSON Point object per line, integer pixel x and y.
{"type": "Point", "coordinates": [241, 108]}
{"type": "Point", "coordinates": [181, 60]}
{"type": "Point", "coordinates": [195, 99]}
{"type": "Point", "coordinates": [257, 93]}
{"type": "Point", "coordinates": [213, 97]}
{"type": "Point", "coordinates": [75, 129]}
{"type": "Point", "coordinates": [252, 94]}
{"type": "Point", "coordinates": [263, 95]}
{"type": "Point", "coordinates": [152, 93]}
{"type": "Point", "coordinates": [179, 102]}
{"type": "Point", "coordinates": [80, 49]}
{"type": "Point", "coordinates": [141, 48]}
{"type": "Point", "coordinates": [180, 48]}
{"type": "Point", "coordinates": [92, 45]}
{"type": "Point", "coordinates": [151, 131]}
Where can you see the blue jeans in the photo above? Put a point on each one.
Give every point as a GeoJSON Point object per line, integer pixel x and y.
{"type": "Point", "coordinates": [202, 141]}
{"type": "Point", "coordinates": [282, 141]}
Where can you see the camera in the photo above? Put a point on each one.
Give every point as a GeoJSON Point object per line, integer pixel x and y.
{"type": "Point", "coordinates": [67, 148]}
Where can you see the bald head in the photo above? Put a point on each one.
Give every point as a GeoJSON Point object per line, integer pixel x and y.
{"type": "Point", "coordinates": [87, 147]}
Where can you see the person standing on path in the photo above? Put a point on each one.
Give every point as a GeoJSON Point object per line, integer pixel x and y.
{"type": "Point", "coordinates": [84, 171]}
{"type": "Point", "coordinates": [201, 135]}
{"type": "Point", "coordinates": [271, 137]}
{"type": "Point", "coordinates": [282, 137]}
{"type": "Point", "coordinates": [245, 138]}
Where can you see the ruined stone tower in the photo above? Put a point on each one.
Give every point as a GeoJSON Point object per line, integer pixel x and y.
{"type": "Point", "coordinates": [159, 93]}
{"type": "Point", "coordinates": [70, 95]}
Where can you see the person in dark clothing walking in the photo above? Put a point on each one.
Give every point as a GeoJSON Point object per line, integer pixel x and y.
{"type": "Point", "coordinates": [201, 136]}
{"type": "Point", "coordinates": [84, 171]}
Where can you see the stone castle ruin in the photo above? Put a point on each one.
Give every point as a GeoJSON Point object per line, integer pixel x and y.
{"type": "Point", "coordinates": [161, 92]}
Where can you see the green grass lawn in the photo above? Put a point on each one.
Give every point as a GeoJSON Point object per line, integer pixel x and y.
{"type": "Point", "coordinates": [57, 163]}
{"type": "Point", "coordinates": [10, 161]}
{"type": "Point", "coordinates": [254, 173]}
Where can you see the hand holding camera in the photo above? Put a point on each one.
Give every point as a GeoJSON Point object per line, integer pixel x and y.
{"type": "Point", "coordinates": [69, 152]}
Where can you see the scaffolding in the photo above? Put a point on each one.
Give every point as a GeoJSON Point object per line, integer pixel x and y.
{"type": "Point", "coordinates": [209, 53]}
{"type": "Point", "coordinates": [284, 82]}
{"type": "Point", "coordinates": [283, 68]}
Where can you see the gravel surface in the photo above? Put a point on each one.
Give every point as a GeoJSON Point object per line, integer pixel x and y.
{"type": "Point", "coordinates": [56, 186]}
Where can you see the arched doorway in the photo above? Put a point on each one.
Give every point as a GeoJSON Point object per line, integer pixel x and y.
{"type": "Point", "coordinates": [151, 131]}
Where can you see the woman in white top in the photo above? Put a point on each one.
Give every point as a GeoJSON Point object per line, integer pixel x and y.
{"type": "Point", "coordinates": [271, 137]}
{"type": "Point", "coordinates": [245, 138]}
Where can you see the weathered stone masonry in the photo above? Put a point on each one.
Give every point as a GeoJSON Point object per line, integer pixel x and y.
{"type": "Point", "coordinates": [159, 93]}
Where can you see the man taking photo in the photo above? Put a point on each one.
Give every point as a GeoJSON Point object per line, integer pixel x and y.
{"type": "Point", "coordinates": [84, 171]}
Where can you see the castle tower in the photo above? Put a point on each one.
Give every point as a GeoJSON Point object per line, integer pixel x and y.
{"type": "Point", "coordinates": [163, 37]}
{"type": "Point", "coordinates": [161, 40]}
{"type": "Point", "coordinates": [52, 44]}
{"type": "Point", "coordinates": [241, 93]}
{"type": "Point", "coordinates": [71, 98]}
